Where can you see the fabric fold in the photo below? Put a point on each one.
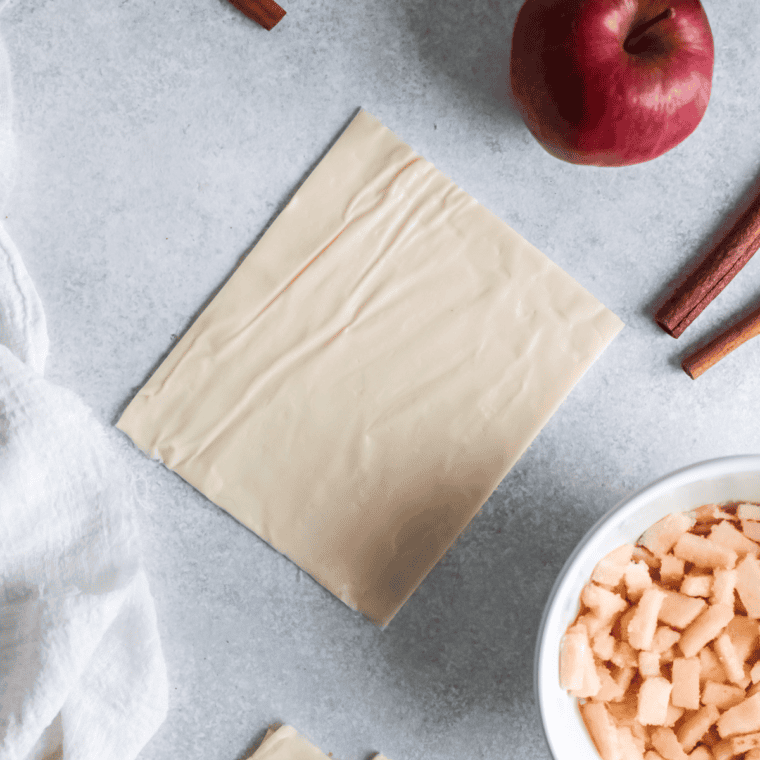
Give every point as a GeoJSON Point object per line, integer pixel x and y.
{"type": "Point", "coordinates": [82, 674]}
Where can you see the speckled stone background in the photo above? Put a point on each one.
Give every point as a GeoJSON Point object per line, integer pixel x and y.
{"type": "Point", "coordinates": [156, 142]}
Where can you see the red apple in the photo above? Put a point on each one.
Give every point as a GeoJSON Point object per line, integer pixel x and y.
{"type": "Point", "coordinates": [611, 82]}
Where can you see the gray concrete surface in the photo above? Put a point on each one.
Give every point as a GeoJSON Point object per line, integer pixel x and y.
{"type": "Point", "coordinates": [157, 141]}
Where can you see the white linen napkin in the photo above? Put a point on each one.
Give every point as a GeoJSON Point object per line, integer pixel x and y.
{"type": "Point", "coordinates": [82, 674]}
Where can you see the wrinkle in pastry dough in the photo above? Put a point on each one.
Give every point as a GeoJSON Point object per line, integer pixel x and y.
{"type": "Point", "coordinates": [371, 371]}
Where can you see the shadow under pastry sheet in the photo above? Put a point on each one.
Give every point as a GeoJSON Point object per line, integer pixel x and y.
{"type": "Point", "coordinates": [371, 371]}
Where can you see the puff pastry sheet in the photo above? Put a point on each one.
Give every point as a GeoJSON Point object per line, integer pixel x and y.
{"type": "Point", "coordinates": [285, 743]}
{"type": "Point", "coordinates": [371, 371]}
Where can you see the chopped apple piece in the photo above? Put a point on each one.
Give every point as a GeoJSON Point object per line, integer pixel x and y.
{"type": "Point", "coordinates": [748, 585]}
{"type": "Point", "coordinates": [605, 604]}
{"type": "Point", "coordinates": [666, 743]}
{"type": "Point", "coordinates": [643, 624]}
{"type": "Point", "coordinates": [725, 534]}
{"type": "Point", "coordinates": [751, 529]}
{"type": "Point", "coordinates": [754, 674]}
{"type": "Point", "coordinates": [664, 638]}
{"type": "Point", "coordinates": [603, 644]}
{"type": "Point", "coordinates": [654, 695]}
{"type": "Point", "coordinates": [705, 628]}
{"type": "Point", "coordinates": [602, 729]}
{"type": "Point", "coordinates": [642, 554]}
{"type": "Point", "coordinates": [674, 714]}
{"type": "Point", "coordinates": [722, 695]}
{"type": "Point", "coordinates": [630, 747]}
{"type": "Point", "coordinates": [710, 667]}
{"type": "Point", "coordinates": [679, 610]}
{"type": "Point", "coordinates": [702, 552]}
{"type": "Point", "coordinates": [697, 584]}
{"type": "Point", "coordinates": [709, 513]}
{"type": "Point", "coordinates": [744, 633]}
{"type": "Point", "coordinates": [576, 663]}
{"type": "Point", "coordinates": [745, 743]}
{"type": "Point", "coordinates": [723, 586]}
{"type": "Point", "coordinates": [733, 665]}
{"type": "Point", "coordinates": [623, 678]}
{"type": "Point", "coordinates": [664, 534]}
{"type": "Point", "coordinates": [640, 735]}
{"type": "Point", "coordinates": [743, 718]}
{"type": "Point", "coordinates": [696, 726]}
{"type": "Point", "coordinates": [620, 628]}
{"type": "Point", "coordinates": [591, 683]}
{"type": "Point", "coordinates": [637, 580]}
{"type": "Point", "coordinates": [591, 622]}
{"type": "Point", "coordinates": [649, 664]}
{"type": "Point", "coordinates": [623, 713]}
{"type": "Point", "coordinates": [609, 570]}
{"type": "Point", "coordinates": [753, 754]}
{"type": "Point", "coordinates": [610, 690]}
{"type": "Point", "coordinates": [671, 569]}
{"type": "Point", "coordinates": [748, 511]}
{"type": "Point", "coordinates": [685, 680]}
{"type": "Point", "coordinates": [625, 655]}
{"type": "Point", "coordinates": [615, 684]}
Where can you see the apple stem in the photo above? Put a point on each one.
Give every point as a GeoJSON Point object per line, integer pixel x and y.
{"type": "Point", "coordinates": [635, 37]}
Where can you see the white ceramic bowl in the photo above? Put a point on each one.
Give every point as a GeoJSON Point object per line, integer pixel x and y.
{"type": "Point", "coordinates": [735, 478]}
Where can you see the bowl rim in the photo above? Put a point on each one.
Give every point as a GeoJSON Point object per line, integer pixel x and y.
{"type": "Point", "coordinates": [702, 470]}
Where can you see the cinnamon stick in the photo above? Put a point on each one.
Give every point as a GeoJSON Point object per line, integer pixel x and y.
{"type": "Point", "coordinates": [718, 268]}
{"type": "Point", "coordinates": [722, 345]}
{"type": "Point", "coordinates": [265, 12]}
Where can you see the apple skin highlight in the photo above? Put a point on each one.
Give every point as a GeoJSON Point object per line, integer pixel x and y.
{"type": "Point", "coordinates": [611, 82]}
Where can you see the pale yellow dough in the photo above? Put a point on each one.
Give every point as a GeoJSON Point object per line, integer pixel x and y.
{"type": "Point", "coordinates": [285, 743]}
{"type": "Point", "coordinates": [371, 371]}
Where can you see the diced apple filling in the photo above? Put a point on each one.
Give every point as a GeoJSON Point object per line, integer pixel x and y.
{"type": "Point", "coordinates": [654, 695]}
{"type": "Point", "coordinates": [671, 569]}
{"type": "Point", "coordinates": [725, 534]}
{"type": "Point", "coordinates": [666, 674]}
{"type": "Point", "coordinates": [702, 552]}
{"type": "Point", "coordinates": [662, 536]}
{"type": "Point", "coordinates": [643, 624]}
{"type": "Point", "coordinates": [665, 741]}
{"type": "Point", "coordinates": [609, 570]}
{"type": "Point", "coordinates": [743, 718]}
{"type": "Point", "coordinates": [637, 580]}
{"type": "Point", "coordinates": [722, 695]}
{"type": "Point", "coordinates": [602, 729]}
{"type": "Point", "coordinates": [696, 726]}
{"type": "Point", "coordinates": [577, 667]}
{"type": "Point", "coordinates": [705, 628]}
{"type": "Point", "coordinates": [730, 660]}
{"type": "Point", "coordinates": [748, 585]}
{"type": "Point", "coordinates": [748, 511]}
{"type": "Point", "coordinates": [751, 529]}
{"type": "Point", "coordinates": [685, 678]}
{"type": "Point", "coordinates": [710, 667]}
{"type": "Point", "coordinates": [697, 584]}
{"type": "Point", "coordinates": [723, 587]}
{"type": "Point", "coordinates": [679, 610]}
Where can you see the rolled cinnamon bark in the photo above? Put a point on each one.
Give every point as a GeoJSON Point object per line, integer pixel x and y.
{"type": "Point", "coordinates": [720, 266]}
{"type": "Point", "coordinates": [264, 12]}
{"type": "Point", "coordinates": [722, 345]}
